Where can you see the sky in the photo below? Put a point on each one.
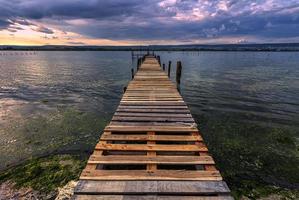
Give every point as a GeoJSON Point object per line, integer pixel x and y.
{"type": "Point", "coordinates": [144, 22]}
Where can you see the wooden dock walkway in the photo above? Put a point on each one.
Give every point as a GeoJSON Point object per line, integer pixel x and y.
{"type": "Point", "coordinates": [151, 149]}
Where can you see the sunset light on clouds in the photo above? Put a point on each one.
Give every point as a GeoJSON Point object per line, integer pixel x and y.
{"type": "Point", "coordinates": [135, 22]}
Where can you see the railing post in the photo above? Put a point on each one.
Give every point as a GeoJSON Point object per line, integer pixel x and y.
{"type": "Point", "coordinates": [163, 66]}
{"type": "Point", "coordinates": [169, 68]}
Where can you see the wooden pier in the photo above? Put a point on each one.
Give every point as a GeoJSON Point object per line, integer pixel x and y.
{"type": "Point", "coordinates": [151, 149]}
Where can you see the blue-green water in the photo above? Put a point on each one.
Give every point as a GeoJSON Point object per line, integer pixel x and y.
{"type": "Point", "coordinates": [59, 101]}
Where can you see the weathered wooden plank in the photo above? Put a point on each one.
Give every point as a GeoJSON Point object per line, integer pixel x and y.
{"type": "Point", "coordinates": [153, 98]}
{"type": "Point", "coordinates": [152, 124]}
{"type": "Point", "coordinates": [140, 96]}
{"type": "Point", "coordinates": [148, 197]}
{"type": "Point", "coordinates": [149, 147]}
{"type": "Point", "coordinates": [151, 119]}
{"type": "Point", "coordinates": [170, 103]}
{"type": "Point", "coordinates": [149, 110]}
{"type": "Point", "coordinates": [145, 175]}
{"type": "Point", "coordinates": [152, 107]}
{"type": "Point", "coordinates": [121, 128]}
{"type": "Point", "coordinates": [150, 101]}
{"type": "Point", "coordinates": [170, 138]}
{"type": "Point", "coordinates": [152, 187]}
{"type": "Point", "coordinates": [139, 160]}
{"type": "Point", "coordinates": [159, 115]}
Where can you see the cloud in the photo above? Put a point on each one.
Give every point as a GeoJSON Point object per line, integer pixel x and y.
{"type": "Point", "coordinates": [4, 23]}
{"type": "Point", "coordinates": [43, 29]}
{"type": "Point", "coordinates": [76, 43]}
{"type": "Point", "coordinates": [180, 20]}
{"type": "Point", "coordinates": [21, 21]}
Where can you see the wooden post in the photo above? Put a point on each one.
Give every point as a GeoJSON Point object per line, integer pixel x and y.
{"type": "Point", "coordinates": [178, 72]}
{"type": "Point", "coordinates": [169, 68]}
{"type": "Point", "coordinates": [159, 61]}
{"type": "Point", "coordinates": [163, 66]}
{"type": "Point", "coordinates": [132, 71]}
{"type": "Point", "coordinates": [125, 89]}
{"type": "Point", "coordinates": [139, 63]}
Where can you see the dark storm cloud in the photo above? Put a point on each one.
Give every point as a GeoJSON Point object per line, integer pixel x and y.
{"type": "Point", "coordinates": [4, 23]}
{"type": "Point", "coordinates": [158, 19]}
{"type": "Point", "coordinates": [96, 9]}
{"type": "Point", "coordinates": [43, 29]}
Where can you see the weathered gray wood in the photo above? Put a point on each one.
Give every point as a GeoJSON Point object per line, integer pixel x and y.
{"type": "Point", "coordinates": [150, 147]}
{"type": "Point", "coordinates": [139, 197]}
{"type": "Point", "coordinates": [141, 137]}
{"type": "Point", "coordinates": [146, 110]}
{"type": "Point", "coordinates": [152, 187]}
{"type": "Point", "coordinates": [159, 115]}
{"type": "Point", "coordinates": [176, 107]}
{"type": "Point", "coordinates": [152, 124]}
{"type": "Point", "coordinates": [144, 128]}
{"type": "Point", "coordinates": [154, 103]}
{"type": "Point", "coordinates": [151, 119]}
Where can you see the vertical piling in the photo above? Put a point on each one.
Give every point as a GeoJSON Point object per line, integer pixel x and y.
{"type": "Point", "coordinates": [139, 62]}
{"type": "Point", "coordinates": [163, 66]}
{"type": "Point", "coordinates": [132, 71]}
{"type": "Point", "coordinates": [169, 68]}
{"type": "Point", "coordinates": [178, 72]}
{"type": "Point", "coordinates": [159, 60]}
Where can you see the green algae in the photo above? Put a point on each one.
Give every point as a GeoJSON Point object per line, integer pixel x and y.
{"type": "Point", "coordinates": [46, 174]}
{"type": "Point", "coordinates": [60, 130]}
{"type": "Point", "coordinates": [53, 136]}
{"type": "Point", "coordinates": [256, 161]}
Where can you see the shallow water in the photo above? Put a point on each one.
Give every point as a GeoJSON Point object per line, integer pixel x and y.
{"type": "Point", "coordinates": [58, 101]}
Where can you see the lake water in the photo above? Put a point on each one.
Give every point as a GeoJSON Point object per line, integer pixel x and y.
{"type": "Point", "coordinates": [60, 101]}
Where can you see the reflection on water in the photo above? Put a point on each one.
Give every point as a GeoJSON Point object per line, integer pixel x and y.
{"type": "Point", "coordinates": [259, 87]}
{"type": "Point", "coordinates": [40, 92]}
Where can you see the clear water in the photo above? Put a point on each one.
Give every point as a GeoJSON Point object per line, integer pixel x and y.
{"type": "Point", "coordinates": [41, 94]}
